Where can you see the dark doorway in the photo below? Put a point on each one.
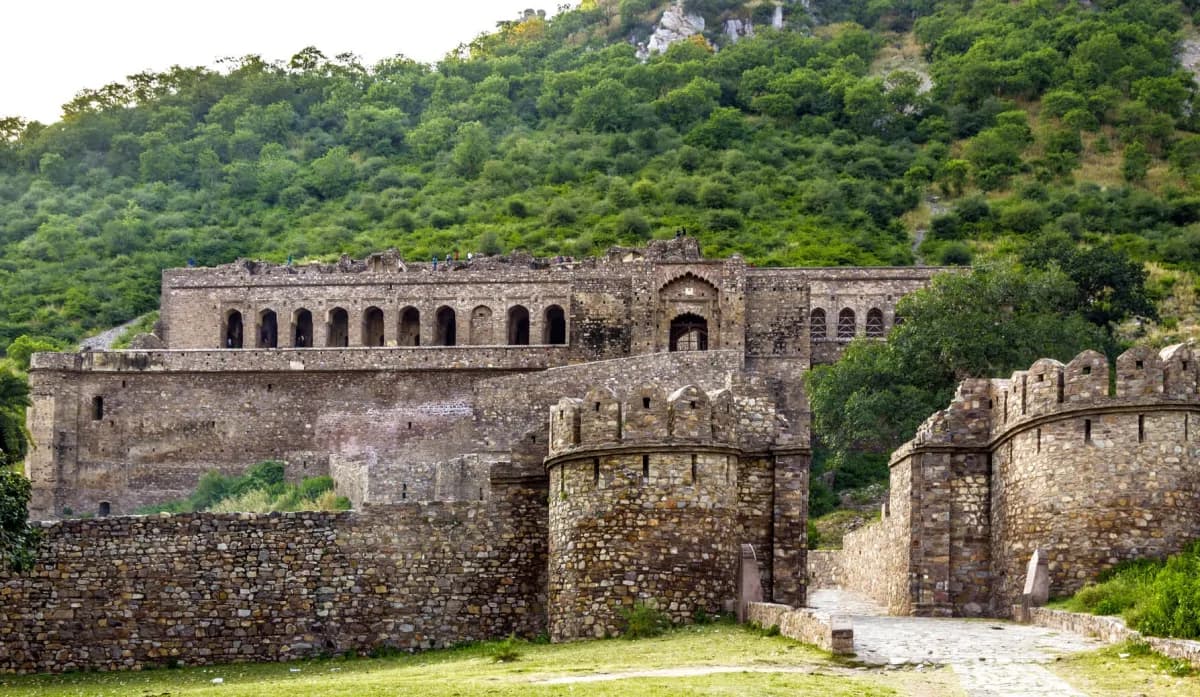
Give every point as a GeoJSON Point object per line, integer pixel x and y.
{"type": "Point", "coordinates": [689, 333]}
{"type": "Point", "coordinates": [554, 330]}
{"type": "Point", "coordinates": [268, 330]}
{"type": "Point", "coordinates": [302, 337]}
{"type": "Point", "coordinates": [105, 509]}
{"type": "Point", "coordinates": [518, 326]}
{"type": "Point", "coordinates": [447, 331]}
{"type": "Point", "coordinates": [410, 327]}
{"type": "Point", "coordinates": [233, 330]}
{"type": "Point", "coordinates": [339, 328]}
{"type": "Point", "coordinates": [373, 327]}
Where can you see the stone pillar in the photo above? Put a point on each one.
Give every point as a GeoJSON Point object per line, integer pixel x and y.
{"type": "Point", "coordinates": [391, 324]}
{"type": "Point", "coordinates": [355, 330]}
{"type": "Point", "coordinates": [790, 520]}
{"type": "Point", "coordinates": [320, 327]}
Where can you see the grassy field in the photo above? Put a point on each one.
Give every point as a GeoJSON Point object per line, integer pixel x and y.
{"type": "Point", "coordinates": [756, 665]}
{"type": "Point", "coordinates": [709, 660]}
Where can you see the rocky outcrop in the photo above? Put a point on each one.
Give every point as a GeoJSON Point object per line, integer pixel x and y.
{"type": "Point", "coordinates": [675, 26]}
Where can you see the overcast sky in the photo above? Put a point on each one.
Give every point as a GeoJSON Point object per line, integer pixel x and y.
{"type": "Point", "coordinates": [50, 50]}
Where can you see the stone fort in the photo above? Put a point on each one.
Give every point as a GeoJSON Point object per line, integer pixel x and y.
{"type": "Point", "coordinates": [535, 446]}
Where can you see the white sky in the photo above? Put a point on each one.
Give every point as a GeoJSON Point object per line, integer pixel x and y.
{"type": "Point", "coordinates": [52, 49]}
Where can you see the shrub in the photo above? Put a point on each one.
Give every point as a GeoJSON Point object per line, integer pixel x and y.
{"type": "Point", "coordinates": [507, 650]}
{"type": "Point", "coordinates": [643, 621]}
{"type": "Point", "coordinates": [18, 540]}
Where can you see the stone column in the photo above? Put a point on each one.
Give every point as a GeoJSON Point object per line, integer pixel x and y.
{"type": "Point", "coordinates": [790, 517]}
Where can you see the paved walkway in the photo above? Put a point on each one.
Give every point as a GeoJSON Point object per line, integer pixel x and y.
{"type": "Point", "coordinates": [990, 657]}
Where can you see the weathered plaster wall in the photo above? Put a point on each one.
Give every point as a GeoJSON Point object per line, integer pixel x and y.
{"type": "Point", "coordinates": [134, 592]}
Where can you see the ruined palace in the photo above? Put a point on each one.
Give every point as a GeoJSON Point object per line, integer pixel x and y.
{"type": "Point", "coordinates": [530, 445]}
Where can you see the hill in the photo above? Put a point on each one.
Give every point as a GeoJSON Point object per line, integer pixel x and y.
{"type": "Point", "coordinates": [814, 143]}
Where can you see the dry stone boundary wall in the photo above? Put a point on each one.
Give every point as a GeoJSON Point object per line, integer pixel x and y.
{"type": "Point", "coordinates": [134, 592]}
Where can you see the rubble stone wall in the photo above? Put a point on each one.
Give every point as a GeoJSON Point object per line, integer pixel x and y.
{"type": "Point", "coordinates": [134, 592]}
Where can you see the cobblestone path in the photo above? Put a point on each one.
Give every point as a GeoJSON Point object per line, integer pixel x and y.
{"type": "Point", "coordinates": [990, 657]}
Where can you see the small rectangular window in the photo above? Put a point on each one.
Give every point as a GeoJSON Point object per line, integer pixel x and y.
{"type": "Point", "coordinates": [1087, 430]}
{"type": "Point", "coordinates": [596, 406]}
{"type": "Point", "coordinates": [1139, 365]}
{"type": "Point", "coordinates": [596, 471]}
{"type": "Point", "coordinates": [1087, 370]}
{"type": "Point", "coordinates": [1039, 440]}
{"type": "Point", "coordinates": [1141, 428]}
{"type": "Point", "coordinates": [97, 408]}
{"type": "Point", "coordinates": [693, 469]}
{"type": "Point", "coordinates": [645, 468]}
{"type": "Point", "coordinates": [645, 402]}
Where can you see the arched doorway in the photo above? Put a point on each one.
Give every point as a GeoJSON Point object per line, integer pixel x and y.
{"type": "Point", "coordinates": [268, 330]}
{"type": "Point", "coordinates": [302, 335]}
{"type": "Point", "coordinates": [689, 332]}
{"type": "Point", "coordinates": [875, 328]}
{"type": "Point", "coordinates": [339, 328]}
{"type": "Point", "coordinates": [554, 326]}
{"type": "Point", "coordinates": [373, 327]}
{"type": "Point", "coordinates": [410, 327]}
{"type": "Point", "coordinates": [518, 326]}
{"type": "Point", "coordinates": [232, 336]}
{"type": "Point", "coordinates": [447, 331]}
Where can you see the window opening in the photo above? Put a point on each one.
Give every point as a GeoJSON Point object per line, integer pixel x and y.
{"type": "Point", "coordinates": [554, 326]}
{"type": "Point", "coordinates": [302, 337]}
{"type": "Point", "coordinates": [1141, 428]}
{"type": "Point", "coordinates": [372, 329]}
{"type": "Point", "coordinates": [339, 328]}
{"type": "Point", "coordinates": [268, 330]}
{"type": "Point", "coordinates": [693, 469]}
{"type": "Point", "coordinates": [645, 468]}
{"type": "Point", "coordinates": [816, 323]}
{"type": "Point", "coordinates": [97, 408]}
{"type": "Point", "coordinates": [875, 323]}
{"type": "Point", "coordinates": [233, 330]}
{"type": "Point", "coordinates": [410, 327]}
{"type": "Point", "coordinates": [446, 329]}
{"type": "Point", "coordinates": [105, 509]}
{"type": "Point", "coordinates": [1039, 440]}
{"type": "Point", "coordinates": [1087, 430]}
{"type": "Point", "coordinates": [595, 471]}
{"type": "Point", "coordinates": [846, 324]}
{"type": "Point", "coordinates": [518, 326]}
{"type": "Point", "coordinates": [645, 402]}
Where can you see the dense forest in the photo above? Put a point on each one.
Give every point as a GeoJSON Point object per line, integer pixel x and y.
{"type": "Point", "coordinates": [1054, 142]}
{"type": "Point", "coordinates": [800, 146]}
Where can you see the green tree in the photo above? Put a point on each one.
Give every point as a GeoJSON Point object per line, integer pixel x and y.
{"type": "Point", "coordinates": [605, 106]}
{"type": "Point", "coordinates": [14, 398]}
{"type": "Point", "coordinates": [18, 541]}
{"type": "Point", "coordinates": [986, 323]}
{"type": "Point", "coordinates": [471, 149]}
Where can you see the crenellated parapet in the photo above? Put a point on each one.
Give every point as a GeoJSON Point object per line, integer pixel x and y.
{"type": "Point", "coordinates": [1086, 462]}
{"type": "Point", "coordinates": [647, 415]}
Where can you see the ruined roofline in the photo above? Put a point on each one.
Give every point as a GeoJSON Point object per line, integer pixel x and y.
{"type": "Point", "coordinates": [985, 412]}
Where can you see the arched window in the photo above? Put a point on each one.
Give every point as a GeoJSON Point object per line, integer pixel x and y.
{"type": "Point", "coordinates": [339, 328]}
{"type": "Point", "coordinates": [302, 334]}
{"type": "Point", "coordinates": [816, 323]}
{"type": "Point", "coordinates": [233, 330]}
{"type": "Point", "coordinates": [689, 332]}
{"type": "Point", "coordinates": [846, 324]}
{"type": "Point", "coordinates": [410, 327]}
{"type": "Point", "coordinates": [268, 329]}
{"type": "Point", "coordinates": [447, 332]}
{"type": "Point", "coordinates": [554, 325]}
{"type": "Point", "coordinates": [481, 327]}
{"type": "Point", "coordinates": [875, 323]}
{"type": "Point", "coordinates": [518, 326]}
{"type": "Point", "coordinates": [373, 327]}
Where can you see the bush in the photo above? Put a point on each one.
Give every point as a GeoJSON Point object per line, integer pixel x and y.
{"type": "Point", "coordinates": [18, 541]}
{"type": "Point", "coordinates": [643, 621]}
{"type": "Point", "coordinates": [507, 650]}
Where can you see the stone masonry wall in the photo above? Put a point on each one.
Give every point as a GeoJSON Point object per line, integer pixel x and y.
{"type": "Point", "coordinates": [665, 539]}
{"type": "Point", "coordinates": [1045, 459]}
{"type": "Point", "coordinates": [133, 592]}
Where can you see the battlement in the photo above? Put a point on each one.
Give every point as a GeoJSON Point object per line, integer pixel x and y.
{"type": "Point", "coordinates": [648, 415]}
{"type": "Point", "coordinates": [986, 411]}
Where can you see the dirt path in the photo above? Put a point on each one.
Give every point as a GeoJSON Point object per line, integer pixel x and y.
{"type": "Point", "coordinates": [105, 339]}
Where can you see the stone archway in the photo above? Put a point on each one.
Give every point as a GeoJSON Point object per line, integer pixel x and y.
{"type": "Point", "coordinates": [689, 332]}
{"type": "Point", "coordinates": [695, 298]}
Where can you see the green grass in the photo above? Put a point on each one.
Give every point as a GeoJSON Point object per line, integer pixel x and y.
{"type": "Point", "coordinates": [1158, 598]}
{"type": "Point", "coordinates": [473, 670]}
{"type": "Point", "coordinates": [1127, 669]}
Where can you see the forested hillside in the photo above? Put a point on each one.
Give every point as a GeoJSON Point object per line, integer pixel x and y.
{"type": "Point", "coordinates": [1055, 123]}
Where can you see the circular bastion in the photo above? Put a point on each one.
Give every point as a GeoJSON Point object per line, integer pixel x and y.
{"type": "Point", "coordinates": [643, 507]}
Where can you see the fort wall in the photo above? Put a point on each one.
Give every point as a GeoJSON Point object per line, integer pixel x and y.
{"type": "Point", "coordinates": [650, 496]}
{"type": "Point", "coordinates": [134, 592]}
{"type": "Point", "coordinates": [1043, 460]}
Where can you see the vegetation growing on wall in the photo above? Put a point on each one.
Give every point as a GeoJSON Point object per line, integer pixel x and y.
{"type": "Point", "coordinates": [1156, 597]}
{"type": "Point", "coordinates": [261, 489]}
